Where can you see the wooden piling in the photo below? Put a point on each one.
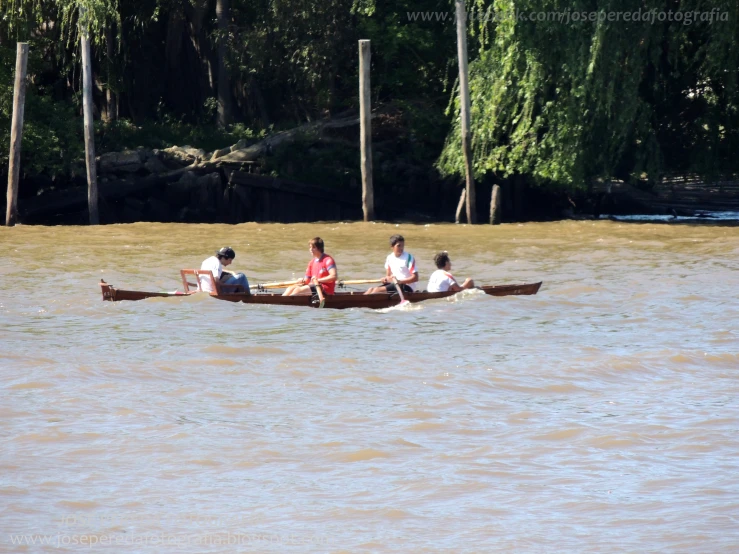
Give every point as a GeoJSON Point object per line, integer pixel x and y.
{"type": "Point", "coordinates": [458, 214]}
{"type": "Point", "coordinates": [87, 84]}
{"type": "Point", "coordinates": [365, 132]}
{"type": "Point", "coordinates": [464, 100]}
{"type": "Point", "coordinates": [495, 206]}
{"type": "Point", "coordinates": [16, 133]}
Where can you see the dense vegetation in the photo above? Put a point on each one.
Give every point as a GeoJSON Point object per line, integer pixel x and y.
{"type": "Point", "coordinates": [631, 100]}
{"type": "Point", "coordinates": [560, 103]}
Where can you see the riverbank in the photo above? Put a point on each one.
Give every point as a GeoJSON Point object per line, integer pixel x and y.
{"type": "Point", "coordinates": [309, 172]}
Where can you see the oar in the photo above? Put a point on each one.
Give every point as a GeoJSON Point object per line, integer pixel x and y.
{"type": "Point", "coordinates": [360, 282]}
{"type": "Point", "coordinates": [319, 292]}
{"type": "Point", "coordinates": [282, 285]}
{"type": "Point", "coordinates": [399, 288]}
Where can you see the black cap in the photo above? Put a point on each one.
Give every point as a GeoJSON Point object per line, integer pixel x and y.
{"type": "Point", "coordinates": [226, 252]}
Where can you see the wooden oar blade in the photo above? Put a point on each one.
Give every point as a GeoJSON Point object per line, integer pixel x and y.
{"type": "Point", "coordinates": [319, 292]}
{"type": "Point", "coordinates": [399, 289]}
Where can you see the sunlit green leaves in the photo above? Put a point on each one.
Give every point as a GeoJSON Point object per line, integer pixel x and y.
{"type": "Point", "coordinates": [569, 102]}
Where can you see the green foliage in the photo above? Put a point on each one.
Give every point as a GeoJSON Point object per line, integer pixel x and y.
{"type": "Point", "coordinates": [315, 162]}
{"type": "Point", "coordinates": [410, 59]}
{"type": "Point", "coordinates": [52, 132]}
{"type": "Point", "coordinates": [167, 131]}
{"type": "Point", "coordinates": [24, 17]}
{"type": "Point", "coordinates": [561, 102]}
{"type": "Point", "coordinates": [566, 103]}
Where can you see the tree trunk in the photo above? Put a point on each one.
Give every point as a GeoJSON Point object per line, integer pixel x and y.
{"type": "Point", "coordinates": [224, 92]}
{"type": "Point", "coordinates": [261, 104]}
{"type": "Point", "coordinates": [111, 104]}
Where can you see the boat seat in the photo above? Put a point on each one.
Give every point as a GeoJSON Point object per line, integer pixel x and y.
{"type": "Point", "coordinates": [218, 287]}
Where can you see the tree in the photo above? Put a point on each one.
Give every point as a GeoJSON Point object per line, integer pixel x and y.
{"type": "Point", "coordinates": [224, 93]}
{"type": "Point", "coordinates": [565, 102]}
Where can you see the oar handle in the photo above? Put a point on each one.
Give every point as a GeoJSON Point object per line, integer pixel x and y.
{"type": "Point", "coordinates": [359, 282]}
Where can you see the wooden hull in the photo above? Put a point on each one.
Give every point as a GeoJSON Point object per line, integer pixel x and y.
{"type": "Point", "coordinates": [338, 301]}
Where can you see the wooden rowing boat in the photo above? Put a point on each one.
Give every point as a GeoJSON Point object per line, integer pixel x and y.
{"type": "Point", "coordinates": [339, 301]}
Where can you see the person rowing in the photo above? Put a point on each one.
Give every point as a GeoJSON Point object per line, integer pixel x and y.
{"type": "Point", "coordinates": [321, 272]}
{"type": "Point", "coordinates": [215, 265]}
{"type": "Point", "coordinates": [442, 280]}
{"type": "Point", "coordinates": [400, 265]}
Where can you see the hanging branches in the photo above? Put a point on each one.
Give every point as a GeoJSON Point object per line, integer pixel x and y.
{"type": "Point", "coordinates": [23, 17]}
{"type": "Point", "coordinates": [567, 102]}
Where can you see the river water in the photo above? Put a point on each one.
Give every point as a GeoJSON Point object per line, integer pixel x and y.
{"type": "Point", "coordinates": [600, 415]}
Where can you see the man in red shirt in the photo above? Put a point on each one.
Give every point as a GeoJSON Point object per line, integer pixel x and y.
{"type": "Point", "coordinates": [321, 272]}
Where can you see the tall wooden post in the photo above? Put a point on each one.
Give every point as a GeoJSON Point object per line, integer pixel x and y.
{"type": "Point", "coordinates": [464, 100]}
{"type": "Point", "coordinates": [92, 182]}
{"type": "Point", "coordinates": [365, 131]}
{"type": "Point", "coordinates": [16, 133]}
{"type": "Point", "coordinates": [495, 206]}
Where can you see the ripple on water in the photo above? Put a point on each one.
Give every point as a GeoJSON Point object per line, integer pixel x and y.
{"type": "Point", "coordinates": [360, 455]}
{"type": "Point", "coordinates": [600, 411]}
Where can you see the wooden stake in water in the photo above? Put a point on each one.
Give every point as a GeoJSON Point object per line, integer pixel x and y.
{"type": "Point", "coordinates": [16, 133]}
{"type": "Point", "coordinates": [464, 100]}
{"type": "Point", "coordinates": [365, 132]}
{"type": "Point", "coordinates": [92, 180]}
{"type": "Point", "coordinates": [495, 206]}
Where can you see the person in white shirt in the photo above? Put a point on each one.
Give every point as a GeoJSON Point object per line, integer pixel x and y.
{"type": "Point", "coordinates": [215, 265]}
{"type": "Point", "coordinates": [441, 280]}
{"type": "Point", "coordinates": [399, 264]}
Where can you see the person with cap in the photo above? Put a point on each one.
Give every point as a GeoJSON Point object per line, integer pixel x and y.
{"type": "Point", "coordinates": [401, 266]}
{"type": "Point", "coordinates": [215, 265]}
{"type": "Point", "coordinates": [442, 280]}
{"type": "Point", "coordinates": [321, 272]}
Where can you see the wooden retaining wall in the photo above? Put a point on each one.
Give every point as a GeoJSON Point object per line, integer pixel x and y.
{"type": "Point", "coordinates": [690, 192]}
{"type": "Point", "coordinates": [675, 193]}
{"type": "Point", "coordinates": [261, 198]}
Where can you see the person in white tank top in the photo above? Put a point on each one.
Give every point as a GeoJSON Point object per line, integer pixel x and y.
{"type": "Point", "coordinates": [442, 280]}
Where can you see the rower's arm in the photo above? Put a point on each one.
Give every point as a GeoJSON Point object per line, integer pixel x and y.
{"type": "Point", "coordinates": [412, 279]}
{"type": "Point", "coordinates": [332, 276]}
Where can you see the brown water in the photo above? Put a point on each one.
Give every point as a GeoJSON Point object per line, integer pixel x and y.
{"type": "Point", "coordinates": [599, 416]}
